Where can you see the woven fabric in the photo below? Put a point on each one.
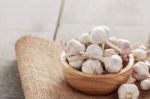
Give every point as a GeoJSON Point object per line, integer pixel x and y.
{"type": "Point", "coordinates": [41, 74]}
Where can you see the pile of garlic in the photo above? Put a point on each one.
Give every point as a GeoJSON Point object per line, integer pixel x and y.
{"type": "Point", "coordinates": [140, 76]}
{"type": "Point", "coordinates": [97, 52]}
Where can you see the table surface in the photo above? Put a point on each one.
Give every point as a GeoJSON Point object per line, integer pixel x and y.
{"type": "Point", "coordinates": [62, 20]}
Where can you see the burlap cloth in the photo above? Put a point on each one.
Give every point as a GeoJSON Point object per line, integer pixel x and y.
{"type": "Point", "coordinates": [41, 74]}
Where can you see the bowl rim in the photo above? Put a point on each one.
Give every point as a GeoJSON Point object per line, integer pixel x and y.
{"type": "Point", "coordinates": [128, 67]}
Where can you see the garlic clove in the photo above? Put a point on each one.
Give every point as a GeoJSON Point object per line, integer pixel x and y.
{"type": "Point", "coordinates": [140, 71]}
{"type": "Point", "coordinates": [145, 84]}
{"type": "Point", "coordinates": [139, 54]}
{"type": "Point", "coordinates": [74, 47]}
{"type": "Point", "coordinates": [98, 35]}
{"type": "Point", "coordinates": [94, 51]}
{"type": "Point", "coordinates": [128, 91]}
{"type": "Point", "coordinates": [92, 67]}
{"type": "Point", "coordinates": [84, 39]}
{"type": "Point", "coordinates": [113, 64]}
{"type": "Point", "coordinates": [75, 61]}
{"type": "Point", "coordinates": [109, 52]}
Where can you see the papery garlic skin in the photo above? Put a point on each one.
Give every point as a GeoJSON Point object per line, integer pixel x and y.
{"type": "Point", "coordinates": [98, 35]}
{"type": "Point", "coordinates": [113, 64]}
{"type": "Point", "coordinates": [84, 39]}
{"type": "Point", "coordinates": [74, 47]}
{"type": "Point", "coordinates": [142, 47]}
{"type": "Point", "coordinates": [139, 54]}
{"type": "Point", "coordinates": [128, 91]}
{"type": "Point", "coordinates": [107, 30]}
{"type": "Point", "coordinates": [75, 61]}
{"type": "Point", "coordinates": [92, 67]}
{"type": "Point", "coordinates": [124, 45]}
{"type": "Point", "coordinates": [114, 40]}
{"type": "Point", "coordinates": [145, 84]}
{"type": "Point", "coordinates": [109, 52]}
{"type": "Point", "coordinates": [94, 51]}
{"type": "Point", "coordinates": [140, 71]}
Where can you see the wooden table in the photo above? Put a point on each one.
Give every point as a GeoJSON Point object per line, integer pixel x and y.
{"type": "Point", "coordinates": [62, 20]}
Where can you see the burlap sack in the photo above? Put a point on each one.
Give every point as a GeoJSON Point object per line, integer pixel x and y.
{"type": "Point", "coordinates": [41, 74]}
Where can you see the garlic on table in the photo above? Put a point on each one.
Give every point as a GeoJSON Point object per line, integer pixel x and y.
{"type": "Point", "coordinates": [109, 52]}
{"type": "Point", "coordinates": [107, 30]}
{"type": "Point", "coordinates": [113, 63]}
{"type": "Point", "coordinates": [98, 35]}
{"type": "Point", "coordinates": [94, 51]}
{"type": "Point", "coordinates": [92, 66]}
{"type": "Point", "coordinates": [140, 71]}
{"type": "Point", "coordinates": [84, 39]}
{"type": "Point", "coordinates": [139, 54]}
{"type": "Point", "coordinates": [114, 40]}
{"type": "Point", "coordinates": [75, 61]}
{"type": "Point", "coordinates": [74, 47]}
{"type": "Point", "coordinates": [128, 91]}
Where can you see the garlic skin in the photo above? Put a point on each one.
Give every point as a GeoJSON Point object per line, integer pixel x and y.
{"type": "Point", "coordinates": [107, 30]}
{"type": "Point", "coordinates": [142, 47]}
{"type": "Point", "coordinates": [113, 63]}
{"type": "Point", "coordinates": [109, 52]}
{"type": "Point", "coordinates": [139, 54]}
{"type": "Point", "coordinates": [140, 71]}
{"type": "Point", "coordinates": [124, 45]}
{"type": "Point", "coordinates": [145, 84]}
{"type": "Point", "coordinates": [74, 47]}
{"type": "Point", "coordinates": [98, 35]}
{"type": "Point", "coordinates": [92, 67]}
{"type": "Point", "coordinates": [84, 39]}
{"type": "Point", "coordinates": [75, 61]}
{"type": "Point", "coordinates": [114, 40]}
{"type": "Point", "coordinates": [128, 91]}
{"type": "Point", "coordinates": [94, 51]}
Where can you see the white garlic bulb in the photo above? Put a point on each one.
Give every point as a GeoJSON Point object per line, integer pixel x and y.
{"type": "Point", "coordinates": [109, 52]}
{"type": "Point", "coordinates": [140, 71]}
{"type": "Point", "coordinates": [113, 63]}
{"type": "Point", "coordinates": [74, 47]}
{"type": "Point", "coordinates": [94, 51]}
{"type": "Point", "coordinates": [139, 54]}
{"type": "Point", "coordinates": [98, 35]}
{"type": "Point", "coordinates": [145, 84]}
{"type": "Point", "coordinates": [92, 66]}
{"type": "Point", "coordinates": [128, 91]}
{"type": "Point", "coordinates": [84, 39]}
{"type": "Point", "coordinates": [75, 61]}
{"type": "Point", "coordinates": [124, 45]}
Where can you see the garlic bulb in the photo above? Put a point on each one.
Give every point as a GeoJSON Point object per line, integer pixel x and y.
{"type": "Point", "coordinates": [84, 39]}
{"type": "Point", "coordinates": [124, 45]}
{"type": "Point", "coordinates": [74, 47]}
{"type": "Point", "coordinates": [140, 71]}
{"type": "Point", "coordinates": [113, 63]}
{"type": "Point", "coordinates": [128, 91]}
{"type": "Point", "coordinates": [94, 51]}
{"type": "Point", "coordinates": [75, 61]}
{"type": "Point", "coordinates": [92, 66]}
{"type": "Point", "coordinates": [98, 35]}
{"type": "Point", "coordinates": [109, 52]}
{"type": "Point", "coordinates": [145, 84]}
{"type": "Point", "coordinates": [139, 54]}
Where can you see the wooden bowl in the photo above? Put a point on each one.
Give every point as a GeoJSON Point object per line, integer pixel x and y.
{"type": "Point", "coordinates": [96, 84]}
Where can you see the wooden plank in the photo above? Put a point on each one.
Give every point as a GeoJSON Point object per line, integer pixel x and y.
{"type": "Point", "coordinates": [18, 18]}
{"type": "Point", "coordinates": [127, 19]}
